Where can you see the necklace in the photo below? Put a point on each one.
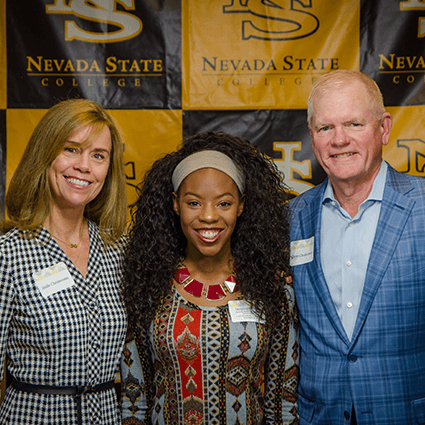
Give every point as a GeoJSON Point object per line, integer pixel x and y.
{"type": "Point", "coordinates": [197, 289]}
{"type": "Point", "coordinates": [71, 245]}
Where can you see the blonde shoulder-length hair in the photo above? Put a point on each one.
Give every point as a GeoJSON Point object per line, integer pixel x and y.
{"type": "Point", "coordinates": [29, 195]}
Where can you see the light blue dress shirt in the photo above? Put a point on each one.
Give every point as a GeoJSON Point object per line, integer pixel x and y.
{"type": "Point", "coordinates": [346, 244]}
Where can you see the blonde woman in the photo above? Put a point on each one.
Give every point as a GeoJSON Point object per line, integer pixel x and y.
{"type": "Point", "coordinates": [62, 325]}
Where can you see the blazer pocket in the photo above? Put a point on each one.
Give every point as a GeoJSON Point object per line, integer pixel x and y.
{"type": "Point", "coordinates": [419, 410]}
{"type": "Point", "coordinates": [415, 271]}
{"type": "Point", "coordinates": [306, 408]}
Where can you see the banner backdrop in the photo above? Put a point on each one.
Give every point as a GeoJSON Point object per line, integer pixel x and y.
{"type": "Point", "coordinates": [167, 69]}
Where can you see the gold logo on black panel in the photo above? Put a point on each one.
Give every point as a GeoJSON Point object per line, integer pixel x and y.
{"type": "Point", "coordinates": [124, 25]}
{"type": "Point", "coordinates": [417, 5]}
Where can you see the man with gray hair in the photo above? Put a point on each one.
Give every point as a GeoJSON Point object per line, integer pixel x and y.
{"type": "Point", "coordinates": [358, 257]}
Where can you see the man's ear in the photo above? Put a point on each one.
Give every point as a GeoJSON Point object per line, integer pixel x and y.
{"type": "Point", "coordinates": [386, 125]}
{"type": "Point", "coordinates": [176, 206]}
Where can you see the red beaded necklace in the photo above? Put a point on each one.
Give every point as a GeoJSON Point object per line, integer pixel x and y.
{"type": "Point", "coordinates": [198, 289]}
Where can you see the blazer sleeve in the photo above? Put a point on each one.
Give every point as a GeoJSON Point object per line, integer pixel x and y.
{"type": "Point", "coordinates": [7, 295]}
{"type": "Point", "coordinates": [282, 373]}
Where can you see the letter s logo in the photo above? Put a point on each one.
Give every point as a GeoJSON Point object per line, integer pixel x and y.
{"type": "Point", "coordinates": [103, 11]}
{"type": "Point", "coordinates": [275, 20]}
{"type": "Point", "coordinates": [415, 5]}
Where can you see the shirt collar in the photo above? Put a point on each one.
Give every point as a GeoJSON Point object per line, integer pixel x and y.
{"type": "Point", "coordinates": [375, 194]}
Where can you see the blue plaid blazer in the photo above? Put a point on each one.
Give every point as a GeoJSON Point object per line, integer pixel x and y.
{"type": "Point", "coordinates": [381, 371]}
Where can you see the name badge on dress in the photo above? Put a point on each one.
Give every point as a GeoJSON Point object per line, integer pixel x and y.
{"type": "Point", "coordinates": [241, 311]}
{"type": "Point", "coordinates": [302, 251]}
{"type": "Point", "coordinates": [53, 279]}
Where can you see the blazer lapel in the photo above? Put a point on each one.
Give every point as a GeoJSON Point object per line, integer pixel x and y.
{"type": "Point", "coordinates": [310, 223]}
{"type": "Point", "coordinates": [395, 211]}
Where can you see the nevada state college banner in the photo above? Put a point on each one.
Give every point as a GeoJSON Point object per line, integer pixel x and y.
{"type": "Point", "coordinates": [264, 55]}
{"type": "Point", "coordinates": [122, 54]}
{"type": "Point", "coordinates": [167, 69]}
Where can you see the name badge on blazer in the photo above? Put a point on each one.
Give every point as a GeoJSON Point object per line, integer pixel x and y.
{"type": "Point", "coordinates": [53, 279]}
{"type": "Point", "coordinates": [302, 251]}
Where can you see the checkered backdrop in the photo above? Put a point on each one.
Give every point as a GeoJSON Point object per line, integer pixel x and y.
{"type": "Point", "coordinates": [167, 69]}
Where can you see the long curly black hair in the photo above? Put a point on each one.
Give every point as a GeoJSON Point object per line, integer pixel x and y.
{"type": "Point", "coordinates": [259, 243]}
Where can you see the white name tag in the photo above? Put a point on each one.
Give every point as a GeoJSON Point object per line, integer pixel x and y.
{"type": "Point", "coordinates": [53, 279]}
{"type": "Point", "coordinates": [240, 311]}
{"type": "Point", "coordinates": [302, 251]}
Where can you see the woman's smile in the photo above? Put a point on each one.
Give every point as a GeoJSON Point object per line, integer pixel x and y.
{"type": "Point", "coordinates": [208, 204]}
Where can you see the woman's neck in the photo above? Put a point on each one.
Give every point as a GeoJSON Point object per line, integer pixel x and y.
{"type": "Point", "coordinates": [70, 232]}
{"type": "Point", "coordinates": [210, 269]}
{"type": "Point", "coordinates": [64, 223]}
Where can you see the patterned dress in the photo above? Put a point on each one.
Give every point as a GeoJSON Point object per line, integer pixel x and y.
{"type": "Point", "coordinates": [198, 366]}
{"type": "Point", "coordinates": [72, 337]}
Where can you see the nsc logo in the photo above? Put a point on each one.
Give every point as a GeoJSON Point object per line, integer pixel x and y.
{"type": "Point", "coordinates": [102, 11]}
{"type": "Point", "coordinates": [415, 5]}
{"type": "Point", "coordinates": [275, 20]}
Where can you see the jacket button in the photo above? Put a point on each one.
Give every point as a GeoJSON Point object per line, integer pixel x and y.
{"type": "Point", "coordinates": [92, 305]}
{"type": "Point", "coordinates": [346, 415]}
{"type": "Point", "coordinates": [352, 358]}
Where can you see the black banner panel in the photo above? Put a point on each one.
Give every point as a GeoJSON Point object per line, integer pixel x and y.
{"type": "Point", "coordinates": [123, 54]}
{"type": "Point", "coordinates": [392, 49]}
{"type": "Point", "coordinates": [281, 134]}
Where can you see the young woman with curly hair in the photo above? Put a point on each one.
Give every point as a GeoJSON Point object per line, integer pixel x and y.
{"type": "Point", "coordinates": [212, 326]}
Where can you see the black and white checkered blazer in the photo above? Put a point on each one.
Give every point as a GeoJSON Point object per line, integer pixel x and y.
{"type": "Point", "coordinates": [73, 337]}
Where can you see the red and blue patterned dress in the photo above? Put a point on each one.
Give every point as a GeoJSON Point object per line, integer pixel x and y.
{"type": "Point", "coordinates": [197, 366]}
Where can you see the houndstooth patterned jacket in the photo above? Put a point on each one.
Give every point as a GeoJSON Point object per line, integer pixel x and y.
{"type": "Point", "coordinates": [73, 337]}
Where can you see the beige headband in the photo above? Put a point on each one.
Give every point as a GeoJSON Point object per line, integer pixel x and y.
{"type": "Point", "coordinates": [208, 159]}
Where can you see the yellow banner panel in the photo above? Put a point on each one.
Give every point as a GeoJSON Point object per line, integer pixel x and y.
{"type": "Point", "coordinates": [147, 135]}
{"type": "Point", "coordinates": [264, 55]}
{"type": "Point", "coordinates": [406, 150]}
{"type": "Point", "coordinates": [20, 123]}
